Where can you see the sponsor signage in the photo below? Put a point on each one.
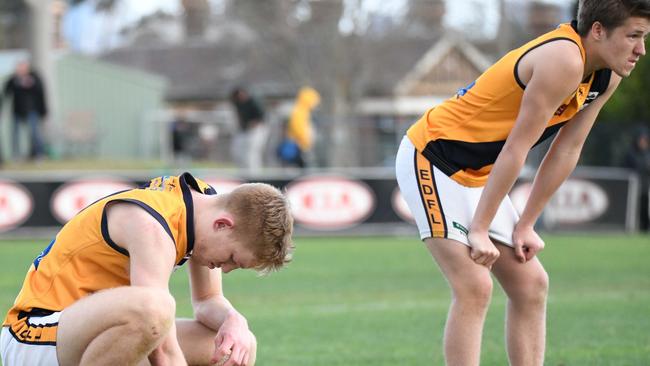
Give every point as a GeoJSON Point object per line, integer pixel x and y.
{"type": "Point", "coordinates": [577, 201]}
{"type": "Point", "coordinates": [72, 197]}
{"type": "Point", "coordinates": [595, 200]}
{"type": "Point", "coordinates": [16, 205]}
{"type": "Point", "coordinates": [581, 204]}
{"type": "Point", "coordinates": [330, 203]}
{"type": "Point", "coordinates": [401, 207]}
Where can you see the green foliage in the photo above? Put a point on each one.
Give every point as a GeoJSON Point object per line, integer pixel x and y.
{"type": "Point", "coordinates": [620, 118]}
{"type": "Point", "coordinates": [382, 301]}
{"type": "Point", "coordinates": [631, 101]}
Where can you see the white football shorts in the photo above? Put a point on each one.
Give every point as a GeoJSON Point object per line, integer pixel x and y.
{"type": "Point", "coordinates": [442, 207]}
{"type": "Point", "coordinates": [40, 352]}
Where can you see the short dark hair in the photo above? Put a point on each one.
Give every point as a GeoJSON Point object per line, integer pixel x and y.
{"type": "Point", "coordinates": [610, 13]}
{"type": "Point", "coordinates": [235, 92]}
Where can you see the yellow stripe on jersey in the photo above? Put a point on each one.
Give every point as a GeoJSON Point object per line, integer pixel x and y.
{"type": "Point", "coordinates": [464, 135]}
{"type": "Point", "coordinates": [83, 259]}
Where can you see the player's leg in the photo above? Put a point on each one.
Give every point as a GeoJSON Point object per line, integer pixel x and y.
{"type": "Point", "coordinates": [120, 326]}
{"type": "Point", "coordinates": [197, 342]}
{"type": "Point", "coordinates": [471, 287]}
{"type": "Point", "coordinates": [15, 134]}
{"type": "Point", "coordinates": [526, 285]}
{"type": "Point", "coordinates": [256, 144]}
{"type": "Point", "coordinates": [442, 211]}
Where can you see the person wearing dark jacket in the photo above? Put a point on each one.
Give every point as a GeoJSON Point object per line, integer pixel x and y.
{"type": "Point", "coordinates": [29, 107]}
{"type": "Point", "coordinates": [638, 159]}
{"type": "Point", "coordinates": [248, 145]}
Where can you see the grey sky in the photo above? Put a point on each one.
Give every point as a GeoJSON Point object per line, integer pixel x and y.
{"type": "Point", "coordinates": [88, 32]}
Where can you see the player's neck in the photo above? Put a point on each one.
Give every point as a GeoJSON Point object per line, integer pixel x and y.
{"type": "Point", "coordinates": [593, 61]}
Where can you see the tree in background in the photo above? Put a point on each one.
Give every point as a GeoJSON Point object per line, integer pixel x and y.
{"type": "Point", "coordinates": [197, 15]}
{"type": "Point", "coordinates": [14, 30]}
{"type": "Point", "coordinates": [306, 39]}
{"type": "Point", "coordinates": [624, 113]}
{"type": "Point", "coordinates": [630, 102]}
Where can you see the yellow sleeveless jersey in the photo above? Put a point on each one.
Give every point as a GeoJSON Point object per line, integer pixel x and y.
{"type": "Point", "coordinates": [464, 135]}
{"type": "Point", "coordinates": [83, 259]}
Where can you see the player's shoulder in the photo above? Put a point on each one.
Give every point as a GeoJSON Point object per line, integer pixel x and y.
{"type": "Point", "coordinates": [563, 52]}
{"type": "Point", "coordinates": [560, 59]}
{"type": "Point", "coordinates": [129, 222]}
{"type": "Point", "coordinates": [129, 212]}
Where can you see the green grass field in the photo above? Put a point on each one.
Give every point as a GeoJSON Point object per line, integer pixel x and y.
{"type": "Point", "coordinates": [382, 301]}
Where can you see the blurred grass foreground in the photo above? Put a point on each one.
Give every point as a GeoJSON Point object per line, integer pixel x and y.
{"type": "Point", "coordinates": [382, 301]}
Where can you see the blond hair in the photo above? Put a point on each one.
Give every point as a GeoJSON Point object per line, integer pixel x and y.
{"type": "Point", "coordinates": [264, 223]}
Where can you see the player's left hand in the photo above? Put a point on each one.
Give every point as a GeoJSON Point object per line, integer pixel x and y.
{"type": "Point", "coordinates": [233, 342]}
{"type": "Point", "coordinates": [526, 243]}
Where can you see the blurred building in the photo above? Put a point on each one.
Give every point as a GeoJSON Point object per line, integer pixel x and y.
{"type": "Point", "coordinates": [14, 24]}
{"type": "Point", "coordinates": [543, 17]}
{"type": "Point", "coordinates": [397, 76]}
{"type": "Point", "coordinates": [374, 82]}
{"type": "Point", "coordinates": [103, 110]}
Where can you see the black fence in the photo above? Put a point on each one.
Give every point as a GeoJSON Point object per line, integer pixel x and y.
{"type": "Point", "coordinates": [363, 202]}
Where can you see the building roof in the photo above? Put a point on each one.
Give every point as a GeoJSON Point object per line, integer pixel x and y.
{"type": "Point", "coordinates": [199, 71]}
{"type": "Point", "coordinates": [449, 63]}
{"type": "Point", "coordinates": [382, 68]}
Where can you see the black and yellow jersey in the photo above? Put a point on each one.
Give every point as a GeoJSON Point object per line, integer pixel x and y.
{"type": "Point", "coordinates": [464, 135]}
{"type": "Point", "coordinates": [83, 259]}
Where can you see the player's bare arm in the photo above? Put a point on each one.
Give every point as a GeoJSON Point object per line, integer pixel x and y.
{"type": "Point", "coordinates": [211, 308]}
{"type": "Point", "coordinates": [152, 255]}
{"type": "Point", "coordinates": [539, 70]}
{"type": "Point", "coordinates": [557, 165]}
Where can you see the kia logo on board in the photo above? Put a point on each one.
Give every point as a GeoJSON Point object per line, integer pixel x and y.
{"type": "Point", "coordinates": [576, 201]}
{"type": "Point", "coordinates": [401, 207]}
{"type": "Point", "coordinates": [16, 205]}
{"type": "Point", "coordinates": [330, 203]}
{"type": "Point", "coordinates": [72, 197]}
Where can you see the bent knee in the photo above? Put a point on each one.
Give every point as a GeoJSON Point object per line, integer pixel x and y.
{"type": "Point", "coordinates": [152, 312]}
{"type": "Point", "coordinates": [533, 290]}
{"type": "Point", "coordinates": [474, 290]}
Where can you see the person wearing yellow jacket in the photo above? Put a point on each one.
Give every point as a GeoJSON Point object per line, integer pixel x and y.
{"type": "Point", "coordinates": [300, 132]}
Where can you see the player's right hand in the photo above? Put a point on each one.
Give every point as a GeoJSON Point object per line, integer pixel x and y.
{"type": "Point", "coordinates": [482, 250]}
{"type": "Point", "coordinates": [527, 243]}
{"type": "Point", "coordinates": [233, 342]}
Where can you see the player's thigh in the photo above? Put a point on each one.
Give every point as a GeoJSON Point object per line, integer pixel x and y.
{"type": "Point", "coordinates": [462, 273]}
{"type": "Point", "coordinates": [86, 319]}
{"type": "Point", "coordinates": [441, 207]}
{"type": "Point", "coordinates": [196, 341]}
{"type": "Point", "coordinates": [519, 279]}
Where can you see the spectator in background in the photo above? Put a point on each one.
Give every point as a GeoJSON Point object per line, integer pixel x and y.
{"type": "Point", "coordinates": [181, 136]}
{"type": "Point", "coordinates": [248, 145]}
{"type": "Point", "coordinates": [299, 140]}
{"type": "Point", "coordinates": [29, 107]}
{"type": "Point", "coordinates": [638, 158]}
